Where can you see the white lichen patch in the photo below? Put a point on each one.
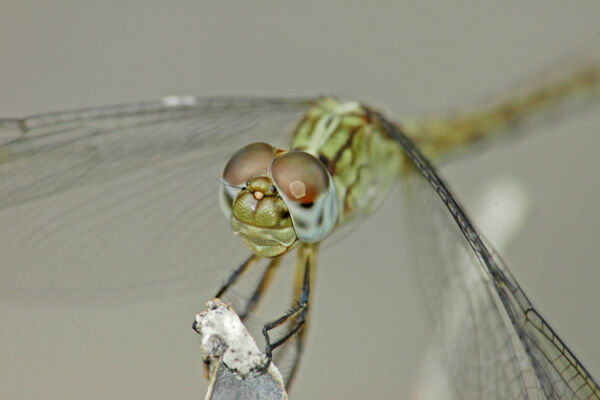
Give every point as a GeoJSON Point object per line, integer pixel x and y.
{"type": "Point", "coordinates": [224, 336]}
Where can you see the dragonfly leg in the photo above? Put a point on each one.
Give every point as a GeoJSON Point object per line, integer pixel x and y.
{"type": "Point", "coordinates": [298, 315]}
{"type": "Point", "coordinates": [234, 276]}
{"type": "Point", "coordinates": [262, 287]}
{"type": "Point", "coordinates": [306, 254]}
{"type": "Point", "coordinates": [299, 343]}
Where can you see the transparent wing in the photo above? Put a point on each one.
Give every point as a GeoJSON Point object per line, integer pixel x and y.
{"type": "Point", "coordinates": [493, 341]}
{"type": "Point", "coordinates": [123, 200]}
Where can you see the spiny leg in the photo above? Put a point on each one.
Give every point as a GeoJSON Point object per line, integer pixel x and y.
{"type": "Point", "coordinates": [303, 255]}
{"type": "Point", "coordinates": [234, 276]}
{"type": "Point", "coordinates": [262, 286]}
{"type": "Point", "coordinates": [260, 289]}
{"type": "Point", "coordinates": [297, 317]}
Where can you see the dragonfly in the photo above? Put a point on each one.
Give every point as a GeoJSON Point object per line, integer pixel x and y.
{"type": "Point", "coordinates": [123, 187]}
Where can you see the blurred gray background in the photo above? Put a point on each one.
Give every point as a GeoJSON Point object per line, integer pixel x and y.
{"type": "Point", "coordinates": [404, 57]}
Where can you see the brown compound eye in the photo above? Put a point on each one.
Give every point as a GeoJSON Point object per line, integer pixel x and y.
{"type": "Point", "coordinates": [250, 161]}
{"type": "Point", "coordinates": [300, 177]}
{"type": "Point", "coordinates": [307, 189]}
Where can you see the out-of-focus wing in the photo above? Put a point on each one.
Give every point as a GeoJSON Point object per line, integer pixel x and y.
{"type": "Point", "coordinates": [494, 342]}
{"type": "Point", "coordinates": [122, 200]}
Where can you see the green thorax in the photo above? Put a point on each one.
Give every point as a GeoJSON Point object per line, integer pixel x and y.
{"type": "Point", "coordinates": [361, 157]}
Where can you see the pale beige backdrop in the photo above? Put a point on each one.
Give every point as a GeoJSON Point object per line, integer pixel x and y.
{"type": "Point", "coordinates": [402, 56]}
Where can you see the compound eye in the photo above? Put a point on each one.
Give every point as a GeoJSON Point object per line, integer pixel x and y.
{"type": "Point", "coordinates": [300, 177]}
{"type": "Point", "coordinates": [309, 193]}
{"type": "Point", "coordinates": [250, 161]}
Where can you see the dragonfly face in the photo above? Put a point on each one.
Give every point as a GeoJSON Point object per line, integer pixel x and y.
{"type": "Point", "coordinates": [276, 198]}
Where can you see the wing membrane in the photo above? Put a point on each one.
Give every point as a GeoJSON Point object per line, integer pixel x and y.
{"type": "Point", "coordinates": [122, 199]}
{"type": "Point", "coordinates": [495, 343]}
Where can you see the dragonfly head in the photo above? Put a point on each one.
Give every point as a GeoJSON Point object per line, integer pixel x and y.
{"type": "Point", "coordinates": [275, 198]}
